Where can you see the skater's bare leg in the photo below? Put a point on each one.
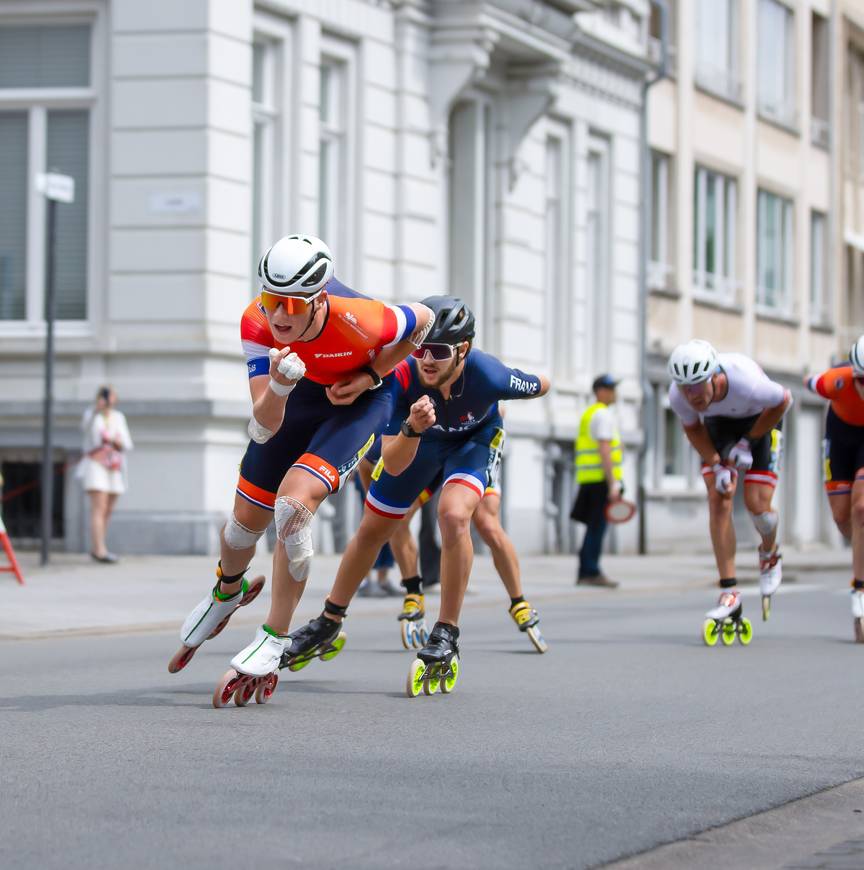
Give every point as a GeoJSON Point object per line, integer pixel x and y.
{"type": "Point", "coordinates": [455, 509]}
{"type": "Point", "coordinates": [722, 531]}
{"type": "Point", "coordinates": [487, 520]}
{"type": "Point", "coordinates": [404, 546]}
{"type": "Point", "coordinates": [299, 486]}
{"type": "Point", "coordinates": [359, 557]}
{"type": "Point", "coordinates": [841, 511]}
{"type": "Point", "coordinates": [757, 498]}
{"type": "Point", "coordinates": [236, 561]}
{"type": "Point", "coordinates": [857, 522]}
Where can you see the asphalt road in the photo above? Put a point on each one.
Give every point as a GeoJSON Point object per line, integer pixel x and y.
{"type": "Point", "coordinates": [628, 733]}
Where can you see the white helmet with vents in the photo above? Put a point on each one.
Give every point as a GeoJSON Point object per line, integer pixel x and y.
{"type": "Point", "coordinates": [693, 362]}
{"type": "Point", "coordinates": [856, 357]}
{"type": "Point", "coordinates": [296, 265]}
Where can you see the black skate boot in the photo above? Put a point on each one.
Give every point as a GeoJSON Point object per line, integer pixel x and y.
{"type": "Point", "coordinates": [321, 638]}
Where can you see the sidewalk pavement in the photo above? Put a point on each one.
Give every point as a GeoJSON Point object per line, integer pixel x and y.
{"type": "Point", "coordinates": [75, 595]}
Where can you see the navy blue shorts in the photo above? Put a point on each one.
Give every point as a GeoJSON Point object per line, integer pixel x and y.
{"type": "Point", "coordinates": [470, 462]}
{"type": "Point", "coordinates": [324, 439]}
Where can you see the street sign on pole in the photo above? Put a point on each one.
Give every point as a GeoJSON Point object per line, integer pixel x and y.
{"type": "Point", "coordinates": [56, 188]}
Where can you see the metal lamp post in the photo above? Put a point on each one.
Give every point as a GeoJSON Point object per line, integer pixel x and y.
{"type": "Point", "coordinates": [55, 188]}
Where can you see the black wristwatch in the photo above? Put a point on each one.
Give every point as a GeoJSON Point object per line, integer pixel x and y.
{"type": "Point", "coordinates": [377, 380]}
{"type": "Point", "coordinates": [407, 431]}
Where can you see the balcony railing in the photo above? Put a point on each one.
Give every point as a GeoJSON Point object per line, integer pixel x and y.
{"type": "Point", "coordinates": [719, 289]}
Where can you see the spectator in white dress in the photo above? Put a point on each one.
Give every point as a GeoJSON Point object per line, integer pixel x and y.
{"type": "Point", "coordinates": [103, 466]}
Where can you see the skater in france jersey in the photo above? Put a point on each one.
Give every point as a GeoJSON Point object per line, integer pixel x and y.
{"type": "Point", "coordinates": [843, 462]}
{"type": "Point", "coordinates": [731, 413]}
{"type": "Point", "coordinates": [444, 426]}
{"type": "Point", "coordinates": [320, 368]}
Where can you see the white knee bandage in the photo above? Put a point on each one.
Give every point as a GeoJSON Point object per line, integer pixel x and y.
{"type": "Point", "coordinates": [258, 433]}
{"type": "Point", "coordinates": [765, 523]}
{"type": "Point", "coordinates": [237, 536]}
{"type": "Point", "coordinates": [294, 529]}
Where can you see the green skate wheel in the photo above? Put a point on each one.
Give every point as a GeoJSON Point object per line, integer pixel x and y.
{"type": "Point", "coordinates": [415, 678]}
{"type": "Point", "coordinates": [432, 682]}
{"type": "Point", "coordinates": [299, 664]}
{"type": "Point", "coordinates": [745, 631]}
{"type": "Point", "coordinates": [710, 633]}
{"type": "Point", "coordinates": [336, 647]}
{"type": "Point", "coordinates": [448, 681]}
{"type": "Point", "coordinates": [406, 633]}
{"type": "Point", "coordinates": [766, 607]}
{"type": "Point", "coordinates": [728, 632]}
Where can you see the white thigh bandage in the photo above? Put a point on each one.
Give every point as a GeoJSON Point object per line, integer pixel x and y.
{"type": "Point", "coordinates": [765, 523]}
{"type": "Point", "coordinates": [294, 529]}
{"type": "Point", "coordinates": [237, 536]}
{"type": "Point", "coordinates": [258, 433]}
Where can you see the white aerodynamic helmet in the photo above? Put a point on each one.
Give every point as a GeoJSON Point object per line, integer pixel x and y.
{"type": "Point", "coordinates": [856, 357]}
{"type": "Point", "coordinates": [693, 362]}
{"type": "Point", "coordinates": [296, 266]}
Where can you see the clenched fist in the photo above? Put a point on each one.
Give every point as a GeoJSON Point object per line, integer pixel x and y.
{"type": "Point", "coordinates": [286, 368]}
{"type": "Point", "coordinates": [422, 414]}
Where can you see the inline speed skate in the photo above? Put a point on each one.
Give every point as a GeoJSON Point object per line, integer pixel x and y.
{"type": "Point", "coordinates": [858, 613]}
{"type": "Point", "coordinates": [412, 621]}
{"type": "Point", "coordinates": [725, 621]}
{"type": "Point", "coordinates": [527, 620]}
{"type": "Point", "coordinates": [437, 665]}
{"type": "Point", "coordinates": [770, 577]}
{"type": "Point", "coordinates": [209, 617]}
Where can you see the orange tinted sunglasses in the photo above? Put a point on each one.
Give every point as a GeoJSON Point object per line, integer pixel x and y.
{"type": "Point", "coordinates": [291, 304]}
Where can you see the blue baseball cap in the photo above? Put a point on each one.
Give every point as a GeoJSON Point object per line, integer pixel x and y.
{"type": "Point", "coordinates": [604, 381]}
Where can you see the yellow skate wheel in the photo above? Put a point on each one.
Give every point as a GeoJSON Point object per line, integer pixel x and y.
{"type": "Point", "coordinates": [407, 634]}
{"type": "Point", "coordinates": [766, 607]}
{"type": "Point", "coordinates": [710, 632]}
{"type": "Point", "coordinates": [337, 647]}
{"type": "Point", "coordinates": [448, 681]}
{"type": "Point", "coordinates": [745, 631]}
{"type": "Point", "coordinates": [537, 639]}
{"type": "Point", "coordinates": [728, 633]}
{"type": "Point", "coordinates": [432, 682]}
{"type": "Point", "coordinates": [414, 685]}
{"type": "Point", "coordinates": [299, 664]}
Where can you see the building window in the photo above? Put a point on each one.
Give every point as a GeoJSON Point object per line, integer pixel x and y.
{"type": "Point", "coordinates": [774, 253]}
{"type": "Point", "coordinates": [820, 131]}
{"type": "Point", "coordinates": [674, 464]}
{"type": "Point", "coordinates": [855, 114]}
{"type": "Point", "coordinates": [557, 260]}
{"type": "Point", "coordinates": [660, 255]}
{"type": "Point", "coordinates": [598, 235]}
{"type": "Point", "coordinates": [717, 48]}
{"type": "Point", "coordinates": [655, 37]}
{"type": "Point", "coordinates": [715, 230]}
{"type": "Point", "coordinates": [820, 312]}
{"type": "Point", "coordinates": [265, 134]}
{"type": "Point", "coordinates": [335, 149]}
{"type": "Point", "coordinates": [49, 128]}
{"type": "Point", "coordinates": [776, 63]}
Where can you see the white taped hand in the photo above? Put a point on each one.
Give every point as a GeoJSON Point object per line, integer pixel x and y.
{"type": "Point", "coordinates": [291, 367]}
{"type": "Point", "coordinates": [741, 455]}
{"type": "Point", "coordinates": [724, 477]}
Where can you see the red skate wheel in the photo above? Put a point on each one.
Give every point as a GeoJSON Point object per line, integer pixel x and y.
{"type": "Point", "coordinates": [244, 691]}
{"type": "Point", "coordinates": [253, 591]}
{"type": "Point", "coordinates": [264, 692]}
{"type": "Point", "coordinates": [225, 688]}
{"type": "Point", "coordinates": [181, 659]}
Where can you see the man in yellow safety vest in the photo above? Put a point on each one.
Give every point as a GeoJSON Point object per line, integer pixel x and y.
{"type": "Point", "coordinates": [599, 475]}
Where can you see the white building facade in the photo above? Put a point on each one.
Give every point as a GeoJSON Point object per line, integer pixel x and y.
{"type": "Point", "coordinates": [488, 149]}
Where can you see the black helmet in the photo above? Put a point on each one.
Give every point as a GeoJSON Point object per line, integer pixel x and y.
{"type": "Point", "coordinates": [454, 320]}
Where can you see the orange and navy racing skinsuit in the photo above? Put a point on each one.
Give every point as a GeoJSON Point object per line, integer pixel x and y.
{"type": "Point", "coordinates": [323, 439]}
{"type": "Point", "coordinates": [843, 447]}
